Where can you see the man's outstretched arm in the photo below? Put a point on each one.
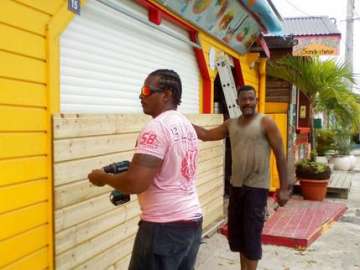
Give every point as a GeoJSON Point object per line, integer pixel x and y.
{"type": "Point", "coordinates": [213, 134]}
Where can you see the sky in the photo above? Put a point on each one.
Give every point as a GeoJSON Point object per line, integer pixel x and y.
{"type": "Point", "coordinates": [334, 9]}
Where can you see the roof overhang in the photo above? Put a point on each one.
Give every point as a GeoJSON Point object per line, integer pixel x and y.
{"type": "Point", "coordinates": [237, 23]}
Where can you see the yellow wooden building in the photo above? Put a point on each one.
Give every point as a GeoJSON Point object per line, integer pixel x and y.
{"type": "Point", "coordinates": [50, 80]}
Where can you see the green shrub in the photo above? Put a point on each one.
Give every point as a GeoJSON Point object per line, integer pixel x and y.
{"type": "Point", "coordinates": [342, 141]}
{"type": "Point", "coordinates": [309, 169]}
{"type": "Point", "coordinates": [325, 141]}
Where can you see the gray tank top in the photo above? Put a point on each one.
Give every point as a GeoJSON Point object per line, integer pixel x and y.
{"type": "Point", "coordinates": [250, 152]}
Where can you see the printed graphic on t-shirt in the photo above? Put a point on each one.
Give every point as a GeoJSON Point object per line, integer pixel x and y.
{"type": "Point", "coordinates": [149, 140]}
{"type": "Point", "coordinates": [188, 165]}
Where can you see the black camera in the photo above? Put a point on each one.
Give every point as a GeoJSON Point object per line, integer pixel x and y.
{"type": "Point", "coordinates": [117, 197]}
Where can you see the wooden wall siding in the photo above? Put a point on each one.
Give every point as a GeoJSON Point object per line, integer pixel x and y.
{"type": "Point", "coordinates": [281, 121]}
{"type": "Point", "coordinates": [25, 202]}
{"type": "Point", "coordinates": [251, 76]}
{"type": "Point", "coordinates": [90, 232]}
{"type": "Point", "coordinates": [277, 90]}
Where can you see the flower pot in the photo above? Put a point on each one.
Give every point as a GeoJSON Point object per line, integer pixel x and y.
{"type": "Point", "coordinates": [344, 163]}
{"type": "Point", "coordinates": [314, 190]}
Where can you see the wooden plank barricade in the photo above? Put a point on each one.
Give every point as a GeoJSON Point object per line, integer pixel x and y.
{"type": "Point", "coordinates": [91, 233]}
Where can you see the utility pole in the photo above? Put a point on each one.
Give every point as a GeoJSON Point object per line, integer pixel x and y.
{"type": "Point", "coordinates": [349, 34]}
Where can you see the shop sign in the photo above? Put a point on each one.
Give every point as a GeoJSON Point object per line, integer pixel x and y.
{"type": "Point", "coordinates": [317, 45]}
{"type": "Point", "coordinates": [227, 20]}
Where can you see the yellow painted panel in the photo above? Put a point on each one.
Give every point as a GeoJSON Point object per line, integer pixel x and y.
{"type": "Point", "coordinates": [21, 220]}
{"type": "Point", "coordinates": [24, 244]}
{"type": "Point", "coordinates": [36, 260]}
{"type": "Point", "coordinates": [23, 68]}
{"type": "Point", "coordinates": [22, 42]}
{"type": "Point", "coordinates": [21, 195]}
{"type": "Point", "coordinates": [22, 169]}
{"type": "Point", "coordinates": [23, 17]}
{"type": "Point", "coordinates": [16, 92]}
{"type": "Point", "coordinates": [48, 6]}
{"type": "Point", "coordinates": [276, 107]}
{"type": "Point", "coordinates": [22, 144]}
{"type": "Point", "coordinates": [22, 119]}
{"type": "Point", "coordinates": [281, 122]}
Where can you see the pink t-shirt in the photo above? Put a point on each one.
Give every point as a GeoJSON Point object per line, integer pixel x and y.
{"type": "Point", "coordinates": [172, 196]}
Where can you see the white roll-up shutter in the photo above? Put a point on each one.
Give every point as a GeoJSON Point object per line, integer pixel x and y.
{"type": "Point", "coordinates": [106, 55]}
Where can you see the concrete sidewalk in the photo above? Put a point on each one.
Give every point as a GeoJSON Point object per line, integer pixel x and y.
{"type": "Point", "coordinates": [337, 249]}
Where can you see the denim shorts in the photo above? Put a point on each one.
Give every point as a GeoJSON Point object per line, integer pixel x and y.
{"type": "Point", "coordinates": [166, 246]}
{"type": "Point", "coordinates": [246, 218]}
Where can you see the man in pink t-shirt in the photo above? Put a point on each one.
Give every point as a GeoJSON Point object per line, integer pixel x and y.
{"type": "Point", "coordinates": [162, 173]}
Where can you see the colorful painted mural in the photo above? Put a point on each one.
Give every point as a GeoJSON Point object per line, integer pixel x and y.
{"type": "Point", "coordinates": [237, 23]}
{"type": "Point", "coordinates": [227, 20]}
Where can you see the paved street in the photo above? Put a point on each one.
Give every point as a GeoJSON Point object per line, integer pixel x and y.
{"type": "Point", "coordinates": [337, 249]}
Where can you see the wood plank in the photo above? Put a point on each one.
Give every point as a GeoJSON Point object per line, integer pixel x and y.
{"type": "Point", "coordinates": [14, 145]}
{"type": "Point", "coordinates": [13, 93]}
{"type": "Point", "coordinates": [23, 244]}
{"type": "Point", "coordinates": [209, 185]}
{"type": "Point", "coordinates": [22, 169]}
{"type": "Point", "coordinates": [85, 125]}
{"type": "Point", "coordinates": [110, 256]}
{"type": "Point", "coordinates": [205, 120]}
{"type": "Point", "coordinates": [30, 217]}
{"type": "Point", "coordinates": [70, 171]}
{"type": "Point", "coordinates": [213, 216]}
{"type": "Point", "coordinates": [23, 17]}
{"type": "Point", "coordinates": [93, 146]}
{"type": "Point", "coordinates": [276, 83]}
{"type": "Point", "coordinates": [22, 119]}
{"type": "Point", "coordinates": [37, 260]}
{"type": "Point", "coordinates": [75, 170]}
{"type": "Point", "coordinates": [82, 232]}
{"type": "Point", "coordinates": [22, 42]}
{"type": "Point", "coordinates": [212, 173]}
{"type": "Point", "coordinates": [206, 154]}
{"type": "Point", "coordinates": [50, 7]}
{"type": "Point", "coordinates": [79, 191]}
{"type": "Point", "coordinates": [208, 164]}
{"type": "Point", "coordinates": [84, 211]}
{"type": "Point", "coordinates": [123, 263]}
{"type": "Point", "coordinates": [89, 249]}
{"type": "Point", "coordinates": [215, 194]}
{"type": "Point", "coordinates": [31, 69]}
{"type": "Point", "coordinates": [80, 125]}
{"type": "Point", "coordinates": [207, 145]}
{"type": "Point", "coordinates": [215, 204]}
{"type": "Point", "coordinates": [22, 195]}
{"type": "Point", "coordinates": [212, 212]}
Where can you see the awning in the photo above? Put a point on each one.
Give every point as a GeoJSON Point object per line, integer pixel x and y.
{"type": "Point", "coordinates": [236, 23]}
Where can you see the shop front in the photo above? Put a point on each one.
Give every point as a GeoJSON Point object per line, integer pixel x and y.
{"type": "Point", "coordinates": [70, 94]}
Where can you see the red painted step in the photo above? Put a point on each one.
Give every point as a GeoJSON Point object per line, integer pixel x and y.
{"type": "Point", "coordinates": [299, 223]}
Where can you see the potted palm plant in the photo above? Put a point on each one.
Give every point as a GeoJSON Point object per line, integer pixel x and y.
{"type": "Point", "coordinates": [313, 177]}
{"type": "Point", "coordinates": [326, 85]}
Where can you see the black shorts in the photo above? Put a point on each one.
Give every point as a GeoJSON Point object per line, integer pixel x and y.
{"type": "Point", "coordinates": [246, 218]}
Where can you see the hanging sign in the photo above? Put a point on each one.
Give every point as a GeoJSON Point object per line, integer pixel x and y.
{"type": "Point", "coordinates": [317, 45]}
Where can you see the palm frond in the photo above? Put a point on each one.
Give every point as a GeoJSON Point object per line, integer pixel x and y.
{"type": "Point", "coordinates": [325, 83]}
